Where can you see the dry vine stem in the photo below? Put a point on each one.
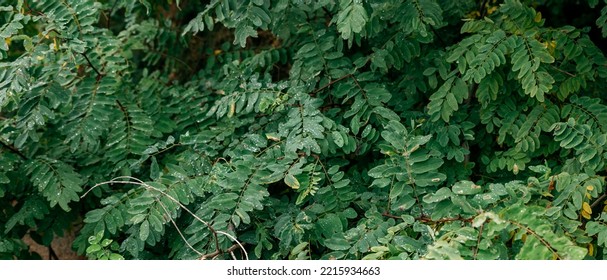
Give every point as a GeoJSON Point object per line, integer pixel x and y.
{"type": "Point", "coordinates": [136, 181]}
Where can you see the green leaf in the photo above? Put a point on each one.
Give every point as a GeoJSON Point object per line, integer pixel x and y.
{"type": "Point", "coordinates": [223, 201]}
{"type": "Point", "coordinates": [144, 230]}
{"type": "Point", "coordinates": [466, 188]}
{"type": "Point", "coordinates": [93, 248]}
{"type": "Point", "coordinates": [351, 20]}
{"type": "Point", "coordinates": [154, 169]}
{"type": "Point", "coordinates": [291, 181]}
{"type": "Point", "coordinates": [114, 256]}
{"type": "Point", "coordinates": [325, 129]}
{"type": "Point", "coordinates": [337, 244]}
{"type": "Point", "coordinates": [338, 139]}
{"type": "Point", "coordinates": [56, 181]}
{"type": "Point", "coordinates": [242, 34]}
{"type": "Point", "coordinates": [440, 195]}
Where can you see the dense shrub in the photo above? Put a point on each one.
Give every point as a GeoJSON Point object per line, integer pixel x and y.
{"type": "Point", "coordinates": [300, 129]}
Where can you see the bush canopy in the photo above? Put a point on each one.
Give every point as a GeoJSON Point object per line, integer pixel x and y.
{"type": "Point", "coordinates": [304, 129]}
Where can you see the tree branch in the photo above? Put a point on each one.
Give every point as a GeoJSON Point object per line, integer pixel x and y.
{"type": "Point", "coordinates": [598, 201]}
{"type": "Point", "coordinates": [217, 252]}
{"type": "Point", "coordinates": [478, 241]}
{"type": "Point", "coordinates": [51, 253]}
{"type": "Point", "coordinates": [331, 83]}
{"type": "Point", "coordinates": [482, 9]}
{"type": "Point", "coordinates": [13, 149]}
{"type": "Point", "coordinates": [563, 71]}
{"type": "Point", "coordinates": [92, 66]}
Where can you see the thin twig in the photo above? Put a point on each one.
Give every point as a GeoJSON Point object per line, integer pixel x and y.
{"type": "Point", "coordinates": [438, 36]}
{"type": "Point", "coordinates": [13, 149]}
{"type": "Point", "coordinates": [478, 240]}
{"type": "Point", "coordinates": [598, 200]}
{"type": "Point", "coordinates": [563, 71]}
{"type": "Point", "coordinates": [91, 64]}
{"type": "Point", "coordinates": [109, 16]}
{"type": "Point", "coordinates": [31, 11]}
{"type": "Point", "coordinates": [528, 230]}
{"type": "Point", "coordinates": [51, 253]}
{"type": "Point", "coordinates": [331, 83]}
{"type": "Point", "coordinates": [362, 90]}
{"type": "Point", "coordinates": [216, 253]}
{"type": "Point", "coordinates": [177, 228]}
{"type": "Point", "coordinates": [136, 181]}
{"type": "Point", "coordinates": [482, 9]}
{"type": "Point", "coordinates": [233, 256]}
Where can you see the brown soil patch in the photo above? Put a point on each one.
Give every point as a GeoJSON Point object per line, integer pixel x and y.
{"type": "Point", "coordinates": [62, 246]}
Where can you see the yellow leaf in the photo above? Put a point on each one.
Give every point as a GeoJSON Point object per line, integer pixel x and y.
{"type": "Point", "coordinates": [585, 215]}
{"type": "Point", "coordinates": [553, 44]}
{"type": "Point", "coordinates": [232, 109]}
{"type": "Point", "coordinates": [217, 52]}
{"type": "Point", "coordinates": [590, 249]}
{"type": "Point", "coordinates": [8, 41]}
{"type": "Point", "coordinates": [473, 14]}
{"type": "Point", "coordinates": [590, 188]}
{"type": "Point", "coordinates": [272, 137]}
{"type": "Point", "coordinates": [550, 45]}
{"type": "Point", "coordinates": [491, 10]}
{"type": "Point", "coordinates": [586, 207]}
{"type": "Point", "coordinates": [538, 17]}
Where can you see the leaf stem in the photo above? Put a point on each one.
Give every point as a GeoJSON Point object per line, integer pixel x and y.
{"type": "Point", "coordinates": [92, 66]}
{"type": "Point", "coordinates": [13, 149]}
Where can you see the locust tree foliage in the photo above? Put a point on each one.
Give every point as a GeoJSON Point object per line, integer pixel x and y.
{"type": "Point", "coordinates": [299, 129]}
